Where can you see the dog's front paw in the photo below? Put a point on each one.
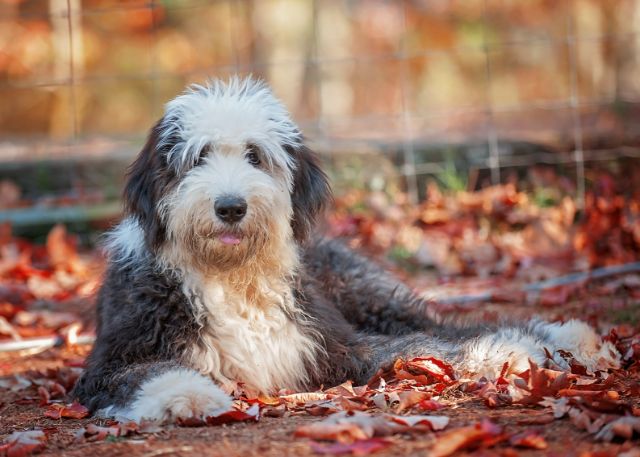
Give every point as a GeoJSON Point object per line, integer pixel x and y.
{"type": "Point", "coordinates": [177, 394]}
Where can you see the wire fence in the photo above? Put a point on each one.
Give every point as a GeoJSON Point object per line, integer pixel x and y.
{"type": "Point", "coordinates": [87, 78]}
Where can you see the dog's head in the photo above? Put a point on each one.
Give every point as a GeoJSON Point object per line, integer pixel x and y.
{"type": "Point", "coordinates": [224, 175]}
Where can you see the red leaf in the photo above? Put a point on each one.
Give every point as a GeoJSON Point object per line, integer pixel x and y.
{"type": "Point", "coordinates": [20, 444]}
{"type": "Point", "coordinates": [251, 414]}
{"type": "Point", "coordinates": [61, 247]}
{"type": "Point", "coordinates": [45, 396]}
{"type": "Point", "coordinates": [425, 371]}
{"type": "Point", "coordinates": [484, 434]}
{"type": "Point", "coordinates": [492, 397]}
{"type": "Point", "coordinates": [410, 398]}
{"type": "Point", "coordinates": [347, 432]}
{"type": "Point", "coordinates": [543, 383]}
{"type": "Point", "coordinates": [431, 366]}
{"type": "Point", "coordinates": [94, 432]}
{"type": "Point", "coordinates": [322, 409]}
{"type": "Point", "coordinates": [529, 439]}
{"type": "Point", "coordinates": [75, 362]}
{"type": "Point", "coordinates": [539, 419]}
{"type": "Point", "coordinates": [72, 411]}
{"type": "Point", "coordinates": [360, 447]}
{"type": "Point", "coordinates": [344, 389]}
{"type": "Point", "coordinates": [191, 422]}
{"type": "Point", "coordinates": [430, 405]}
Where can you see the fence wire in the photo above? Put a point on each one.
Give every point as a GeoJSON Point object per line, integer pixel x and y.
{"type": "Point", "coordinates": [382, 84]}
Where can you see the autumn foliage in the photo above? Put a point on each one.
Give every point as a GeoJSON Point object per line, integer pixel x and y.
{"type": "Point", "coordinates": [46, 292]}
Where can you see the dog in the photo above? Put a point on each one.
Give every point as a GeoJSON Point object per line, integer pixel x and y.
{"type": "Point", "coordinates": [216, 275]}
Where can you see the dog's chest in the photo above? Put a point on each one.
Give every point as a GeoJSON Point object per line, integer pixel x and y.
{"type": "Point", "coordinates": [258, 345]}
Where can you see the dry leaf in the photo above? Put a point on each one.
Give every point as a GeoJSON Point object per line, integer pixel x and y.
{"type": "Point", "coordinates": [20, 444]}
{"type": "Point", "coordinates": [360, 447]}
{"type": "Point", "coordinates": [73, 411]}
{"type": "Point", "coordinates": [483, 433]}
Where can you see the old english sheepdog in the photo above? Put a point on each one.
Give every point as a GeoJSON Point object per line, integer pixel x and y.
{"type": "Point", "coordinates": [216, 276]}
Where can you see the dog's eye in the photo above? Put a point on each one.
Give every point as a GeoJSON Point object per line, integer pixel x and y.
{"type": "Point", "coordinates": [253, 156]}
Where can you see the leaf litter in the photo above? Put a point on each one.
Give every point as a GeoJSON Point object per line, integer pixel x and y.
{"type": "Point", "coordinates": [45, 289]}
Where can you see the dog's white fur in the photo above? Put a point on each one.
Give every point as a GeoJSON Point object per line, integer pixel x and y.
{"type": "Point", "coordinates": [581, 340]}
{"type": "Point", "coordinates": [125, 243]}
{"type": "Point", "coordinates": [486, 355]}
{"type": "Point", "coordinates": [233, 113]}
{"type": "Point", "coordinates": [253, 342]}
{"type": "Point", "coordinates": [176, 394]}
{"type": "Point", "coordinates": [245, 306]}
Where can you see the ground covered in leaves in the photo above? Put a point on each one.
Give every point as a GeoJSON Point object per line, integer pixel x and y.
{"type": "Point", "coordinates": [478, 255]}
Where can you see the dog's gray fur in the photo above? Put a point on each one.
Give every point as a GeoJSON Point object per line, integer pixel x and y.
{"type": "Point", "coordinates": [346, 316]}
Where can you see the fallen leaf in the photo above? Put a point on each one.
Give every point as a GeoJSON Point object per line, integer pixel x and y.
{"type": "Point", "coordinates": [623, 427]}
{"type": "Point", "coordinates": [434, 422]}
{"type": "Point", "coordinates": [95, 432]}
{"type": "Point", "coordinates": [20, 444]}
{"type": "Point", "coordinates": [305, 397]}
{"type": "Point", "coordinates": [492, 397]}
{"type": "Point", "coordinates": [528, 439]}
{"type": "Point", "coordinates": [542, 383]}
{"type": "Point", "coordinates": [484, 433]}
{"type": "Point", "coordinates": [559, 406]}
{"type": "Point", "coordinates": [359, 447]}
{"type": "Point", "coordinates": [540, 419]}
{"type": "Point", "coordinates": [430, 405]}
{"type": "Point", "coordinates": [72, 411]}
{"type": "Point", "coordinates": [251, 414]}
{"type": "Point", "coordinates": [45, 396]}
{"type": "Point", "coordinates": [410, 398]}
{"type": "Point", "coordinates": [432, 367]}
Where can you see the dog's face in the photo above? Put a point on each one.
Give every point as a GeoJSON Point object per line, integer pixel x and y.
{"type": "Point", "coordinates": [224, 176]}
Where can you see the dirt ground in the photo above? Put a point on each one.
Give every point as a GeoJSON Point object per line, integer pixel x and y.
{"type": "Point", "coordinates": [46, 290]}
{"type": "Point", "coordinates": [273, 436]}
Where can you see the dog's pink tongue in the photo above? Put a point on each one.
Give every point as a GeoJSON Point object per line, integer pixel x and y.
{"type": "Point", "coordinates": [227, 238]}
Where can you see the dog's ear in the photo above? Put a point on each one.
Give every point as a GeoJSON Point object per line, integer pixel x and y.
{"type": "Point", "coordinates": [148, 179]}
{"type": "Point", "coordinates": [311, 192]}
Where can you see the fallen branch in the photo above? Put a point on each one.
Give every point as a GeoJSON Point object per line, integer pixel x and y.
{"type": "Point", "coordinates": [44, 343]}
{"type": "Point", "coordinates": [572, 278]}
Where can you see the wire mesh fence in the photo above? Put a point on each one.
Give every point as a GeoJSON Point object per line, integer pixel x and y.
{"type": "Point", "coordinates": [489, 84]}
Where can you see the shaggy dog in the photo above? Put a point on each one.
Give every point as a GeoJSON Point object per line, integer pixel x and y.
{"type": "Point", "coordinates": [215, 277]}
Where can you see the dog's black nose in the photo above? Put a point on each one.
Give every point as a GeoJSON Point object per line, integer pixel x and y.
{"type": "Point", "coordinates": [230, 209]}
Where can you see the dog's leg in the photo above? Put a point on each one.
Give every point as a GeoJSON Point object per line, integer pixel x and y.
{"type": "Point", "coordinates": [473, 357]}
{"type": "Point", "coordinates": [159, 391]}
{"type": "Point", "coordinates": [485, 352]}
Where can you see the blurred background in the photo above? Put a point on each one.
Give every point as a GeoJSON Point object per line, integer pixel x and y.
{"type": "Point", "coordinates": [479, 137]}
{"type": "Point", "coordinates": [485, 151]}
